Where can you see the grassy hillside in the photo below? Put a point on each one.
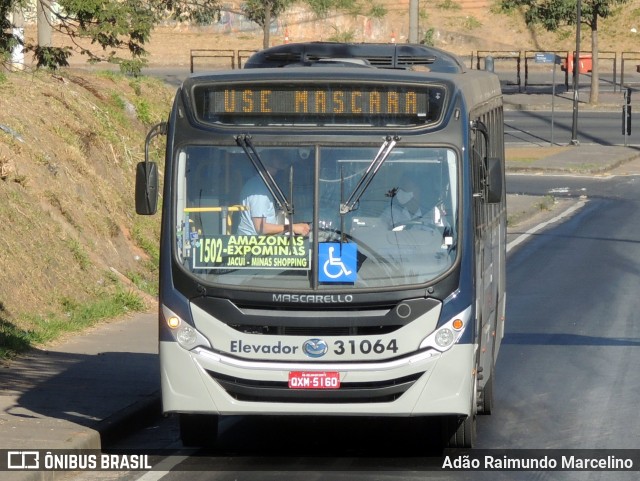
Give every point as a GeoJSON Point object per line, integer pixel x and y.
{"type": "Point", "coordinates": [72, 249]}
{"type": "Point", "coordinates": [460, 26]}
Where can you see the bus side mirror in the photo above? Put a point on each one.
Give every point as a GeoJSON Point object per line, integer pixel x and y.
{"type": "Point", "coordinates": [495, 177]}
{"type": "Point", "coordinates": [146, 188]}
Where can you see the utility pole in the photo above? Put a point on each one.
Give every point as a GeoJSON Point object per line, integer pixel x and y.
{"type": "Point", "coordinates": [576, 76]}
{"type": "Point", "coordinates": [413, 20]}
{"type": "Point", "coordinates": [44, 23]}
{"type": "Point", "coordinates": [17, 53]}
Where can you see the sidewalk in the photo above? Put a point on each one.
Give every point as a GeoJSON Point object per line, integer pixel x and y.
{"type": "Point", "coordinates": [96, 386]}
{"type": "Point", "coordinates": [81, 392]}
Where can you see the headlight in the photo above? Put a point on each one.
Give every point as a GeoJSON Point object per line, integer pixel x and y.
{"type": "Point", "coordinates": [448, 334]}
{"type": "Point", "coordinates": [444, 337]}
{"type": "Point", "coordinates": [185, 334]}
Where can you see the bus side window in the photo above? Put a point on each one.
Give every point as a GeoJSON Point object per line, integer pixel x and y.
{"type": "Point", "coordinates": [200, 195]}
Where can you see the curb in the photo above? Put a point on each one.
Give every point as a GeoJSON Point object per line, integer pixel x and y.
{"type": "Point", "coordinates": [547, 107]}
{"type": "Point", "coordinates": [133, 418]}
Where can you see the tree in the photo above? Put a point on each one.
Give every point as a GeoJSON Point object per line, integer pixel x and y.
{"type": "Point", "coordinates": [7, 39]}
{"type": "Point", "coordinates": [554, 14]}
{"type": "Point", "coordinates": [262, 12]}
{"type": "Point", "coordinates": [114, 27]}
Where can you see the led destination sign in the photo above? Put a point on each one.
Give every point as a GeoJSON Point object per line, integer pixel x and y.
{"type": "Point", "coordinates": [383, 104]}
{"type": "Point", "coordinates": [255, 252]}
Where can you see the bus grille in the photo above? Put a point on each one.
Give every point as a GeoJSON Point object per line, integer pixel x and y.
{"type": "Point", "coordinates": [315, 331]}
{"type": "Point", "coordinates": [349, 392]}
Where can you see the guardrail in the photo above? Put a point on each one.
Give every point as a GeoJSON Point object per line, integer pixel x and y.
{"type": "Point", "coordinates": [632, 58]}
{"type": "Point", "coordinates": [498, 57]}
{"type": "Point", "coordinates": [230, 58]}
{"type": "Point", "coordinates": [507, 63]}
{"type": "Point", "coordinates": [630, 62]}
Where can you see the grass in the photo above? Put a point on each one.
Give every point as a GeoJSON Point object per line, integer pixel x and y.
{"type": "Point", "coordinates": [79, 254]}
{"type": "Point", "coordinates": [531, 154]}
{"type": "Point", "coordinates": [471, 23]}
{"type": "Point", "coordinates": [77, 317]}
{"type": "Point", "coordinates": [546, 203]}
{"type": "Point", "coordinates": [68, 204]}
{"type": "Point", "coordinates": [448, 5]}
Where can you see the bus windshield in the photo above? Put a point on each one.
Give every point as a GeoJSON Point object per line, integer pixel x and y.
{"type": "Point", "coordinates": [401, 230]}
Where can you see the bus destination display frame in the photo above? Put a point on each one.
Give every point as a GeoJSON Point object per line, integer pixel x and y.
{"type": "Point", "coordinates": [325, 103]}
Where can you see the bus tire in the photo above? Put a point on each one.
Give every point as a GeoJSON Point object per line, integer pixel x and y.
{"type": "Point", "coordinates": [198, 430]}
{"type": "Point", "coordinates": [459, 431]}
{"type": "Point", "coordinates": [485, 400]}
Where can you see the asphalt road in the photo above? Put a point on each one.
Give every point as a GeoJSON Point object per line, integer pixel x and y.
{"type": "Point", "coordinates": [540, 127]}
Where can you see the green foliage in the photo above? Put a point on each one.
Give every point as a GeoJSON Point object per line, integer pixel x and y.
{"type": "Point", "coordinates": [345, 36]}
{"type": "Point", "coordinates": [143, 111]}
{"type": "Point", "coordinates": [117, 100]}
{"type": "Point", "coordinates": [79, 254]}
{"type": "Point", "coordinates": [257, 10]}
{"type": "Point", "coordinates": [50, 57]}
{"type": "Point", "coordinates": [149, 245]}
{"type": "Point", "coordinates": [117, 29]}
{"type": "Point", "coordinates": [13, 340]}
{"type": "Point", "coordinates": [322, 7]}
{"type": "Point", "coordinates": [132, 67]}
{"type": "Point", "coordinates": [7, 40]}
{"type": "Point", "coordinates": [428, 38]}
{"type": "Point", "coordinates": [553, 14]}
{"type": "Point", "coordinates": [78, 316]}
{"type": "Point", "coordinates": [448, 5]}
{"type": "Point", "coordinates": [471, 23]}
{"type": "Point", "coordinates": [263, 12]}
{"type": "Point", "coordinates": [377, 11]}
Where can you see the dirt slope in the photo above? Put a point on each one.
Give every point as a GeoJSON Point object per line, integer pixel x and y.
{"type": "Point", "coordinates": [68, 148]}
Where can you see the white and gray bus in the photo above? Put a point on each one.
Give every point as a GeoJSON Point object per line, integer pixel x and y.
{"type": "Point", "coordinates": [393, 303]}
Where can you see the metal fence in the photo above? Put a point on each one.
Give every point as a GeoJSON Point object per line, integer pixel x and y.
{"type": "Point", "coordinates": [211, 59]}
{"type": "Point", "coordinates": [537, 76]}
{"type": "Point", "coordinates": [507, 64]}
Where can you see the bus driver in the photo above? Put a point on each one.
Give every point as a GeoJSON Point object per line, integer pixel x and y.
{"type": "Point", "coordinates": [409, 206]}
{"type": "Point", "coordinates": [260, 217]}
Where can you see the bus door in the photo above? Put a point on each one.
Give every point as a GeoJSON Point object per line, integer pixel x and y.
{"type": "Point", "coordinates": [485, 281]}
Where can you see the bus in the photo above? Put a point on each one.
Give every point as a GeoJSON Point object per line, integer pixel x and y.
{"type": "Point", "coordinates": [382, 291]}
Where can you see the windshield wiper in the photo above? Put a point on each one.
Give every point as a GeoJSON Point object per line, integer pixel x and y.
{"type": "Point", "coordinates": [366, 179]}
{"type": "Point", "coordinates": [280, 199]}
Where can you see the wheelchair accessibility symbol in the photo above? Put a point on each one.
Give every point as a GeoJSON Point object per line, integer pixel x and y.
{"type": "Point", "coordinates": [337, 262]}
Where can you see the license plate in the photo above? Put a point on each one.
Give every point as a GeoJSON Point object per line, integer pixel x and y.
{"type": "Point", "coordinates": [314, 380]}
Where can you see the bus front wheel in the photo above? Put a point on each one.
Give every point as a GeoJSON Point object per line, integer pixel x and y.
{"type": "Point", "coordinates": [460, 432]}
{"type": "Point", "coordinates": [198, 430]}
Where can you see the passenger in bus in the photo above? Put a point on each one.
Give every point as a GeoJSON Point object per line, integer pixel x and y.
{"type": "Point", "coordinates": [412, 204]}
{"type": "Point", "coordinates": [260, 217]}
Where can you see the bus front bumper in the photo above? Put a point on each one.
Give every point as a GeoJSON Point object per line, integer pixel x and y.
{"type": "Point", "coordinates": [426, 383]}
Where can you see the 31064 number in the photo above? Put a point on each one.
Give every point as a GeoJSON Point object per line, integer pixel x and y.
{"type": "Point", "coordinates": [364, 346]}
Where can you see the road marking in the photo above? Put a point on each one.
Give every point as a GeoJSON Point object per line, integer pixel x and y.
{"type": "Point", "coordinates": [165, 466]}
{"type": "Point", "coordinates": [521, 238]}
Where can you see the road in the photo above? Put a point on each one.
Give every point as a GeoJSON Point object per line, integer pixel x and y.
{"type": "Point", "coordinates": [534, 127]}
{"type": "Point", "coordinates": [567, 375]}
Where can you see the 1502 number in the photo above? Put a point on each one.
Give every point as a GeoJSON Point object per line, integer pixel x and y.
{"type": "Point", "coordinates": [364, 347]}
{"type": "Point", "coordinates": [211, 250]}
